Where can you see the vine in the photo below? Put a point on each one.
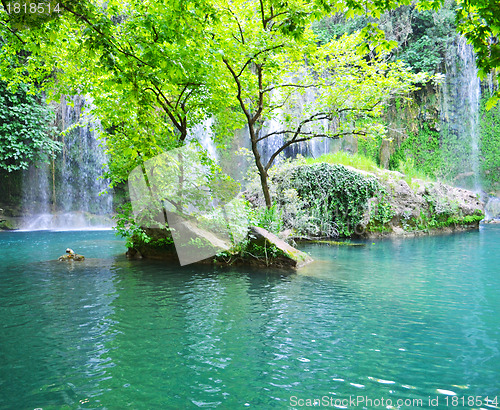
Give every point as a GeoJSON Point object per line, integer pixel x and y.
{"type": "Point", "coordinates": [332, 195]}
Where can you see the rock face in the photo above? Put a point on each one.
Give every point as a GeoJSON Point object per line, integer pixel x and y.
{"type": "Point", "coordinates": [423, 207]}
{"type": "Point", "coordinates": [8, 221]}
{"type": "Point", "coordinates": [160, 246]}
{"type": "Point", "coordinates": [323, 200]}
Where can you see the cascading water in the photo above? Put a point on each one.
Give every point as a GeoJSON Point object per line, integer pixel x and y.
{"type": "Point", "coordinates": [460, 100]}
{"type": "Point", "coordinates": [315, 147]}
{"type": "Point", "coordinates": [204, 134]}
{"type": "Point", "coordinates": [70, 192]}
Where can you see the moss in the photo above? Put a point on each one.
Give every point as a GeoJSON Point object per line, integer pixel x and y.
{"type": "Point", "coordinates": [440, 221]}
{"type": "Point", "coordinates": [7, 225]}
{"type": "Point", "coordinates": [336, 243]}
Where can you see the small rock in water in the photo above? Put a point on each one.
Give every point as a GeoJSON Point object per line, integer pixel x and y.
{"type": "Point", "coordinates": [71, 256]}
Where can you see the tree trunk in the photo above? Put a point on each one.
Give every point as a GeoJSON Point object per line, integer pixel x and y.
{"type": "Point", "coordinates": [260, 167]}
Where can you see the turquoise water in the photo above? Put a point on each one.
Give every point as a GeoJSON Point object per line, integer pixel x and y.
{"type": "Point", "coordinates": [394, 320]}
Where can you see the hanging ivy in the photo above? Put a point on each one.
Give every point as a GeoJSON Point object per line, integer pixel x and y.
{"type": "Point", "coordinates": [24, 130]}
{"type": "Point", "coordinates": [334, 194]}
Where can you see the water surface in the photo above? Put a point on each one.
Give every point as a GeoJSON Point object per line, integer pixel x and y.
{"type": "Point", "coordinates": [395, 319]}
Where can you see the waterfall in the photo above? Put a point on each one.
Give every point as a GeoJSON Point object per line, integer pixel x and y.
{"type": "Point", "coordinates": [473, 94]}
{"type": "Point", "coordinates": [460, 100]}
{"type": "Point", "coordinates": [69, 192]}
{"type": "Point", "coordinates": [315, 147]}
{"type": "Point", "coordinates": [204, 134]}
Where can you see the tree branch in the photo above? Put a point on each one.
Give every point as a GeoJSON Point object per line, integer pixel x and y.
{"type": "Point", "coordinates": [315, 117]}
{"type": "Point", "coordinates": [180, 95]}
{"type": "Point", "coordinates": [156, 33]}
{"type": "Point", "coordinates": [239, 27]}
{"type": "Point", "coordinates": [295, 140]}
{"type": "Point", "coordinates": [167, 107]}
{"type": "Point", "coordinates": [262, 14]}
{"type": "Point", "coordinates": [86, 20]}
{"type": "Point", "coordinates": [261, 95]}
{"type": "Point", "coordinates": [289, 85]}
{"type": "Point", "coordinates": [13, 32]}
{"type": "Point", "coordinates": [238, 85]}
{"type": "Point", "coordinates": [257, 54]}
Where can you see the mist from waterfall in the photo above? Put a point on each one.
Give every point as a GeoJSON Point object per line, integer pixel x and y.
{"type": "Point", "coordinates": [204, 134]}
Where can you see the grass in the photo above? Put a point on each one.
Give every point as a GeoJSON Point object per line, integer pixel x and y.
{"type": "Point", "coordinates": [410, 171]}
{"type": "Point", "coordinates": [358, 161]}
{"type": "Point", "coordinates": [344, 158]}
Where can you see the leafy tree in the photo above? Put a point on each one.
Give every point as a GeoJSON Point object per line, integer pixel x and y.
{"type": "Point", "coordinates": [25, 130]}
{"type": "Point", "coordinates": [272, 67]}
{"type": "Point", "coordinates": [143, 63]}
{"type": "Point", "coordinates": [479, 22]}
{"type": "Point", "coordinates": [151, 67]}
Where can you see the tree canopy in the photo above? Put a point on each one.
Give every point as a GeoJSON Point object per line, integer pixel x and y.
{"type": "Point", "coordinates": [154, 69]}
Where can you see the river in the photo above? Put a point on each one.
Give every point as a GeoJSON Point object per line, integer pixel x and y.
{"type": "Point", "coordinates": [413, 322]}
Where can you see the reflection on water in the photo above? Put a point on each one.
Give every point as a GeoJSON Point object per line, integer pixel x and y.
{"type": "Point", "coordinates": [394, 319]}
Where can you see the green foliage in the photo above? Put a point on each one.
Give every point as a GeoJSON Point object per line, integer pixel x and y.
{"type": "Point", "coordinates": [431, 37]}
{"type": "Point", "coordinates": [419, 156]}
{"type": "Point", "coordinates": [408, 168]}
{"type": "Point", "coordinates": [270, 219]}
{"type": "Point", "coordinates": [429, 153]}
{"type": "Point", "coordinates": [370, 148]}
{"type": "Point", "coordinates": [270, 69]}
{"type": "Point", "coordinates": [479, 22]}
{"type": "Point", "coordinates": [490, 146]}
{"type": "Point", "coordinates": [334, 27]}
{"type": "Point", "coordinates": [423, 36]}
{"type": "Point", "coordinates": [126, 227]}
{"type": "Point", "coordinates": [426, 222]}
{"type": "Point", "coordinates": [383, 213]}
{"type": "Point", "coordinates": [25, 130]}
{"type": "Point", "coordinates": [334, 194]}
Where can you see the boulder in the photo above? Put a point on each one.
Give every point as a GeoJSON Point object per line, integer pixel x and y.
{"type": "Point", "coordinates": [71, 256]}
{"type": "Point", "coordinates": [493, 209]}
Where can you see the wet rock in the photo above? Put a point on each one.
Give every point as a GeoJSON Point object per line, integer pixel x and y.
{"type": "Point", "coordinates": [71, 256]}
{"type": "Point", "coordinates": [493, 209]}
